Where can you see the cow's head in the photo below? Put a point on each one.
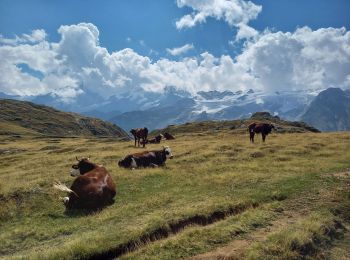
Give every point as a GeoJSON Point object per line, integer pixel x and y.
{"type": "Point", "coordinates": [273, 127]}
{"type": "Point", "coordinates": [168, 152]}
{"type": "Point", "coordinates": [83, 166]}
{"type": "Point", "coordinates": [127, 162]}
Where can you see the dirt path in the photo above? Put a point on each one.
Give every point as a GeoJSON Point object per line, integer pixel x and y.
{"type": "Point", "coordinates": [236, 249]}
{"type": "Point", "coordinates": [293, 211]}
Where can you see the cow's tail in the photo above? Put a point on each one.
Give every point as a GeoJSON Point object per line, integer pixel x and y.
{"type": "Point", "coordinates": [60, 186]}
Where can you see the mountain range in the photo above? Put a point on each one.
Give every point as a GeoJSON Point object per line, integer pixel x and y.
{"type": "Point", "coordinates": [173, 106]}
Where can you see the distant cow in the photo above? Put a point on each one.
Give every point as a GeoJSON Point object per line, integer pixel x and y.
{"type": "Point", "coordinates": [92, 189]}
{"type": "Point", "coordinates": [256, 128]}
{"type": "Point", "coordinates": [146, 159]}
{"type": "Point", "coordinates": [168, 136]}
{"type": "Point", "coordinates": [155, 140]}
{"type": "Point", "coordinates": [140, 133]}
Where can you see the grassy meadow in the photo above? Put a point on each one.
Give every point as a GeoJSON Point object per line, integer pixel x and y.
{"type": "Point", "coordinates": [220, 197]}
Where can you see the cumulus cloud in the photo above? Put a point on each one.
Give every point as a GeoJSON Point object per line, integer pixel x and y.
{"type": "Point", "coordinates": [236, 13]}
{"type": "Point", "coordinates": [180, 50]}
{"type": "Point", "coordinates": [270, 61]}
{"type": "Point", "coordinates": [301, 60]}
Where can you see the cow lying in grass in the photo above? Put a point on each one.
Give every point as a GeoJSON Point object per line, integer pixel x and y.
{"type": "Point", "coordinates": [155, 140]}
{"type": "Point", "coordinates": [146, 159]}
{"type": "Point", "coordinates": [92, 189]}
{"type": "Point", "coordinates": [168, 136]}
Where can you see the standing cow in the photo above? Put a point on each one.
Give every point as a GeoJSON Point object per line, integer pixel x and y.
{"type": "Point", "coordinates": [263, 128]}
{"type": "Point", "coordinates": [92, 189]}
{"type": "Point", "coordinates": [140, 133]}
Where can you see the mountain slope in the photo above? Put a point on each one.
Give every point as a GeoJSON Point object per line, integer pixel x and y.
{"type": "Point", "coordinates": [158, 117]}
{"type": "Point", "coordinates": [20, 117]}
{"type": "Point", "coordinates": [239, 126]}
{"type": "Point", "coordinates": [329, 111]}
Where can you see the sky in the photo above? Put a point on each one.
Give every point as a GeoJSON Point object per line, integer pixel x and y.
{"type": "Point", "coordinates": [111, 47]}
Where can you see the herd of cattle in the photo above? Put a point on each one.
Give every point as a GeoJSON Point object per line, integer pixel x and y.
{"type": "Point", "coordinates": [94, 187]}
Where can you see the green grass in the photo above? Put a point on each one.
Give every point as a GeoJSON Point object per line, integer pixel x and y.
{"type": "Point", "coordinates": [209, 172]}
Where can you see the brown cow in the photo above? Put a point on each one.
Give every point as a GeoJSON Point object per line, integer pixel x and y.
{"type": "Point", "coordinates": [140, 133]}
{"type": "Point", "coordinates": [92, 189]}
{"type": "Point", "coordinates": [256, 128]}
{"type": "Point", "coordinates": [168, 136]}
{"type": "Point", "coordinates": [146, 158]}
{"type": "Point", "coordinates": [155, 140]}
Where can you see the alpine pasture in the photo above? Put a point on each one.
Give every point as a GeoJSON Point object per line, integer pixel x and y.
{"type": "Point", "coordinates": [220, 196]}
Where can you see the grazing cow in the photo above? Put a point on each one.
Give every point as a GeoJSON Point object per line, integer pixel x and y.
{"type": "Point", "coordinates": [168, 136]}
{"type": "Point", "coordinates": [256, 128]}
{"type": "Point", "coordinates": [140, 133]}
{"type": "Point", "coordinates": [146, 159]}
{"type": "Point", "coordinates": [92, 189]}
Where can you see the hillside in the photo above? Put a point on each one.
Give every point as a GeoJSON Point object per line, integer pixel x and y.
{"type": "Point", "coordinates": [240, 126]}
{"type": "Point", "coordinates": [330, 110]}
{"type": "Point", "coordinates": [20, 117]}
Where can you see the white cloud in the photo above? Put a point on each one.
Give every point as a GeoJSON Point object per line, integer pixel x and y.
{"type": "Point", "coordinates": [236, 13]}
{"type": "Point", "coordinates": [301, 60]}
{"type": "Point", "coordinates": [246, 32]}
{"type": "Point", "coordinates": [36, 36]}
{"type": "Point", "coordinates": [270, 61]}
{"type": "Point", "coordinates": [180, 50]}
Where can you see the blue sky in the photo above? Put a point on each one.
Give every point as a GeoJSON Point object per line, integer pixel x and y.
{"type": "Point", "coordinates": [153, 21]}
{"type": "Point", "coordinates": [114, 46]}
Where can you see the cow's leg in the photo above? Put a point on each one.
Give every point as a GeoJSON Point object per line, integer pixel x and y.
{"type": "Point", "coordinates": [263, 136]}
{"type": "Point", "coordinates": [144, 142]}
{"type": "Point", "coordinates": [133, 164]}
{"type": "Point", "coordinates": [252, 137]}
{"type": "Point", "coordinates": [135, 140]}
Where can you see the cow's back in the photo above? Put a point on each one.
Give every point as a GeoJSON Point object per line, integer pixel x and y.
{"type": "Point", "coordinates": [93, 189]}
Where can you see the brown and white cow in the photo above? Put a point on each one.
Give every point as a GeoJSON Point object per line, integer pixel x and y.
{"type": "Point", "coordinates": [92, 189]}
{"type": "Point", "coordinates": [256, 128]}
{"type": "Point", "coordinates": [146, 158]}
{"type": "Point", "coordinates": [140, 133]}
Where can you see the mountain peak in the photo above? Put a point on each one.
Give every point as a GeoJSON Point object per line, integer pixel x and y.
{"type": "Point", "coordinates": [329, 111]}
{"type": "Point", "coordinates": [214, 94]}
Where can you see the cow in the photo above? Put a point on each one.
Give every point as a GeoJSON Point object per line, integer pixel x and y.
{"type": "Point", "coordinates": [146, 158]}
{"type": "Point", "coordinates": [140, 133]}
{"type": "Point", "coordinates": [155, 140]}
{"type": "Point", "coordinates": [168, 136]}
{"type": "Point", "coordinates": [256, 128]}
{"type": "Point", "coordinates": [93, 187]}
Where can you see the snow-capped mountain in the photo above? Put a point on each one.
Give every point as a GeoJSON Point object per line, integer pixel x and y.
{"type": "Point", "coordinates": [173, 106]}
